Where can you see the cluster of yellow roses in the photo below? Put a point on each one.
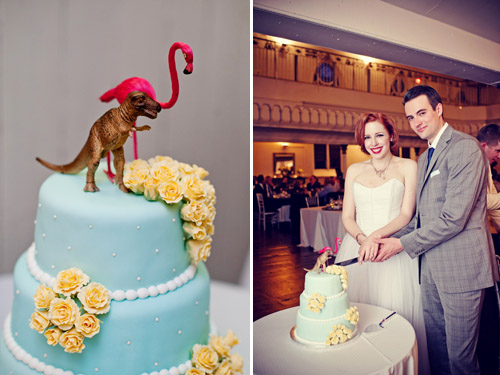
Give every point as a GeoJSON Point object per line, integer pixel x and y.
{"type": "Point", "coordinates": [339, 334]}
{"type": "Point", "coordinates": [339, 270]}
{"type": "Point", "coordinates": [59, 317]}
{"type": "Point", "coordinates": [316, 302]}
{"type": "Point", "coordinates": [352, 315]}
{"type": "Point", "coordinates": [215, 358]}
{"type": "Point", "coordinates": [171, 181]}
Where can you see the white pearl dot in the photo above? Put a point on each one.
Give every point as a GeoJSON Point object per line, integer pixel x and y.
{"type": "Point", "coordinates": [173, 220]}
{"type": "Point", "coordinates": [96, 369]}
{"type": "Point", "coordinates": [17, 291]}
{"type": "Point", "coordinates": [34, 221]}
{"type": "Point", "coordinates": [91, 226]}
{"type": "Point", "coordinates": [173, 269]}
{"type": "Point", "coordinates": [184, 238]}
{"type": "Point", "coordinates": [16, 334]}
{"type": "Point", "coordinates": [179, 332]}
{"type": "Point", "coordinates": [157, 251]}
{"type": "Point", "coordinates": [138, 278]}
{"type": "Point", "coordinates": [206, 312]}
{"type": "Point", "coordinates": [129, 342]}
{"type": "Point", "coordinates": [69, 248]}
{"type": "Point", "coordinates": [138, 227]}
{"type": "Point", "coordinates": [39, 205]}
{"type": "Point", "coordinates": [114, 255]}
{"type": "Point", "coordinates": [157, 319]}
{"type": "Point", "coordinates": [55, 217]}
{"type": "Point", "coordinates": [44, 355]}
{"type": "Point", "coordinates": [156, 363]}
{"type": "Point", "coordinates": [196, 302]}
{"type": "Point", "coordinates": [43, 235]}
{"type": "Point", "coordinates": [52, 266]}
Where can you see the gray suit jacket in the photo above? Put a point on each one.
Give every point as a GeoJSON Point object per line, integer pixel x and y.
{"type": "Point", "coordinates": [450, 224]}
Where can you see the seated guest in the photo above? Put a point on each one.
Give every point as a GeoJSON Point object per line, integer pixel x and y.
{"type": "Point", "coordinates": [329, 190]}
{"type": "Point", "coordinates": [283, 186]}
{"type": "Point", "coordinates": [298, 187]}
{"type": "Point", "coordinates": [268, 187]}
{"type": "Point", "coordinates": [313, 185]}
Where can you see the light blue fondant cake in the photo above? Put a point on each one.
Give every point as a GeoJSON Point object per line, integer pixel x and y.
{"type": "Point", "coordinates": [325, 316]}
{"type": "Point", "coordinates": [136, 248]}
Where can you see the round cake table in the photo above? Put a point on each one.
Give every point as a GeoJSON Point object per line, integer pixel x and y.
{"type": "Point", "coordinates": [391, 350]}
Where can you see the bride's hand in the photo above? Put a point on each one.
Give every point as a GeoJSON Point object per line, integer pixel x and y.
{"type": "Point", "coordinates": [368, 250]}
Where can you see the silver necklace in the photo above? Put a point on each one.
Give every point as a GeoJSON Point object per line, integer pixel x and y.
{"type": "Point", "coordinates": [381, 172]}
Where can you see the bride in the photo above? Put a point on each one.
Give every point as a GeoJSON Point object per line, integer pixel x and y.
{"type": "Point", "coordinates": [379, 199]}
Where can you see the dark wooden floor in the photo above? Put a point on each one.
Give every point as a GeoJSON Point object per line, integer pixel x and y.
{"type": "Point", "coordinates": [278, 269]}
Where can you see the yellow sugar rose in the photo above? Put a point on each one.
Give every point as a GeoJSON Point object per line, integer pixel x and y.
{"type": "Point", "coordinates": [70, 281]}
{"type": "Point", "coordinates": [199, 250]}
{"type": "Point", "coordinates": [193, 231]}
{"type": "Point", "coordinates": [95, 298]}
{"type": "Point", "coordinates": [218, 344]}
{"type": "Point", "coordinates": [72, 341]}
{"type": "Point", "coordinates": [136, 165]}
{"type": "Point", "coordinates": [185, 169]}
{"type": "Point", "coordinates": [161, 159]}
{"type": "Point", "coordinates": [200, 171]}
{"type": "Point", "coordinates": [43, 296]}
{"type": "Point", "coordinates": [63, 313]}
{"type": "Point", "coordinates": [209, 191]}
{"type": "Point", "coordinates": [237, 362]}
{"type": "Point", "coordinates": [210, 213]}
{"type": "Point", "coordinates": [193, 187]}
{"type": "Point", "coordinates": [151, 188]}
{"type": "Point", "coordinates": [224, 368]}
{"type": "Point", "coordinates": [164, 171]}
{"type": "Point", "coordinates": [195, 212]}
{"type": "Point", "coordinates": [134, 179]}
{"type": "Point", "coordinates": [195, 371]}
{"type": "Point", "coordinates": [231, 339]}
{"type": "Point", "coordinates": [88, 325]}
{"type": "Point", "coordinates": [53, 335]}
{"type": "Point", "coordinates": [204, 358]}
{"type": "Point", "coordinates": [171, 191]}
{"type": "Point", "coordinates": [39, 321]}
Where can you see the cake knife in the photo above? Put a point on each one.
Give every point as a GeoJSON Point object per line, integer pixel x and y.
{"type": "Point", "coordinates": [347, 262]}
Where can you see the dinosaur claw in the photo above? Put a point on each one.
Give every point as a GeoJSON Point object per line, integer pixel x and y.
{"type": "Point", "coordinates": [90, 187]}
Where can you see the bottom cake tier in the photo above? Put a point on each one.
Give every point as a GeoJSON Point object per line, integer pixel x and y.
{"type": "Point", "coordinates": [153, 335]}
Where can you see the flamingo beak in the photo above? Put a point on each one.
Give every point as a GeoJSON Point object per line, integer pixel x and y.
{"type": "Point", "coordinates": [188, 69]}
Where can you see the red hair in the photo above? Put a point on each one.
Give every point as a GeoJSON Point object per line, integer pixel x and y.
{"type": "Point", "coordinates": [386, 121]}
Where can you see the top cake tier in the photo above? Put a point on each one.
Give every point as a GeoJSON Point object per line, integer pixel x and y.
{"type": "Point", "coordinates": [120, 240]}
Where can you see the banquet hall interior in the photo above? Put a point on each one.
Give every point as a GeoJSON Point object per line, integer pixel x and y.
{"type": "Point", "coordinates": [316, 67]}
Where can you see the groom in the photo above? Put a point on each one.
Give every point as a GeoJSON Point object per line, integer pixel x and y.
{"type": "Point", "coordinates": [449, 234]}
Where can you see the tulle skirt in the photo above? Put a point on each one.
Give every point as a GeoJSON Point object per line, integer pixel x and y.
{"type": "Point", "coordinates": [392, 284]}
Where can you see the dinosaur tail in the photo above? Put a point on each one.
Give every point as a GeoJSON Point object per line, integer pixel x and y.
{"type": "Point", "coordinates": [108, 96]}
{"type": "Point", "coordinates": [74, 167]}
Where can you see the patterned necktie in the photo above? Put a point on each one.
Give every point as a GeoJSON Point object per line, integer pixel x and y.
{"type": "Point", "coordinates": [429, 156]}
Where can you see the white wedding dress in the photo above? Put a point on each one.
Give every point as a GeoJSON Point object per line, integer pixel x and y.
{"type": "Point", "coordinates": [392, 284]}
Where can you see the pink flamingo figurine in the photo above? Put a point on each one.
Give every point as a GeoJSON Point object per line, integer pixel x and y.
{"type": "Point", "coordinates": [121, 91]}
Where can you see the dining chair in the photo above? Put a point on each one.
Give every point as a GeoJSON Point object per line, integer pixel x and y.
{"type": "Point", "coordinates": [263, 215]}
{"type": "Point", "coordinates": [312, 201]}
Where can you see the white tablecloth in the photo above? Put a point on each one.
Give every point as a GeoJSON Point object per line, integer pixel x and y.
{"type": "Point", "coordinates": [392, 350]}
{"type": "Point", "coordinates": [319, 228]}
{"type": "Point", "coordinates": [229, 309]}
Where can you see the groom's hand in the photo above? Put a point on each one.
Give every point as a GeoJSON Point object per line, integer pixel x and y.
{"type": "Point", "coordinates": [388, 248]}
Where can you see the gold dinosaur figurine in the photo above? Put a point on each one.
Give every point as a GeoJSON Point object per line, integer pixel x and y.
{"type": "Point", "coordinates": [109, 133]}
{"type": "Point", "coordinates": [322, 260]}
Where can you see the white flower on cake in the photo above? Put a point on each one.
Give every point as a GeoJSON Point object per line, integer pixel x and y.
{"type": "Point", "coordinates": [63, 313]}
{"type": "Point", "coordinates": [53, 335]}
{"type": "Point", "coordinates": [39, 321]}
{"type": "Point", "coordinates": [95, 298]}
{"type": "Point", "coordinates": [339, 334]}
{"type": "Point", "coordinates": [171, 191]}
{"type": "Point", "coordinates": [60, 318]}
{"type": "Point", "coordinates": [43, 296]}
{"type": "Point", "coordinates": [341, 271]}
{"type": "Point", "coordinates": [215, 358]}
{"type": "Point", "coordinates": [164, 178]}
{"type": "Point", "coordinates": [88, 325]}
{"type": "Point", "coordinates": [352, 315]}
{"type": "Point", "coordinates": [70, 281]}
{"type": "Point", "coordinates": [72, 341]}
{"type": "Point", "coordinates": [316, 302]}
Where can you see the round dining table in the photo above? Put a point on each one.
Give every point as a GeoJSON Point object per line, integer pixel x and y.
{"type": "Point", "coordinates": [391, 350]}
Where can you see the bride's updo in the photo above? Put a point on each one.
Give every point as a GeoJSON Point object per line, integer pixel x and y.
{"type": "Point", "coordinates": [365, 118]}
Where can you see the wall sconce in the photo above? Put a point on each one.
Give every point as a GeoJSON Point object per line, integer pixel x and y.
{"type": "Point", "coordinates": [284, 144]}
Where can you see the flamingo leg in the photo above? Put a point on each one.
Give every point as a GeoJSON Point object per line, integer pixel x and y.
{"type": "Point", "coordinates": [109, 173]}
{"type": "Point", "coordinates": [136, 156]}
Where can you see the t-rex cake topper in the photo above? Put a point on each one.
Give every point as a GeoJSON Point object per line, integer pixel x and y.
{"type": "Point", "coordinates": [121, 91]}
{"type": "Point", "coordinates": [109, 133]}
{"type": "Point", "coordinates": [322, 259]}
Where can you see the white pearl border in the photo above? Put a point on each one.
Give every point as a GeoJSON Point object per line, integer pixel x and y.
{"type": "Point", "coordinates": [322, 320]}
{"type": "Point", "coordinates": [117, 295]}
{"type": "Point", "coordinates": [329, 297]}
{"type": "Point", "coordinates": [22, 356]}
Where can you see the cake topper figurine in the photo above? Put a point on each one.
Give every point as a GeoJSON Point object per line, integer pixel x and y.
{"type": "Point", "coordinates": [322, 260]}
{"type": "Point", "coordinates": [121, 91]}
{"type": "Point", "coordinates": [109, 133]}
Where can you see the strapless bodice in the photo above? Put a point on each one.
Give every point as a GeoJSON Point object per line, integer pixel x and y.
{"type": "Point", "coordinates": [377, 206]}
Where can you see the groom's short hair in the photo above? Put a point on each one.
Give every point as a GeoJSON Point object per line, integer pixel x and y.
{"type": "Point", "coordinates": [432, 95]}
